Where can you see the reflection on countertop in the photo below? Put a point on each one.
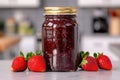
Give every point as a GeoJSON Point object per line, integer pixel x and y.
{"type": "Point", "coordinates": [78, 75]}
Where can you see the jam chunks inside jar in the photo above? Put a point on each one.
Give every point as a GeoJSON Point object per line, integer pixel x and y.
{"type": "Point", "coordinates": [60, 38]}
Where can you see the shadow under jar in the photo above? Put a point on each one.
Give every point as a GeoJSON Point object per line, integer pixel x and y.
{"type": "Point", "coordinates": [60, 38]}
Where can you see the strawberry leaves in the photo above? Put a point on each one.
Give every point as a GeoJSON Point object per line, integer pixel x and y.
{"type": "Point", "coordinates": [95, 55]}
{"type": "Point", "coordinates": [39, 52]}
{"type": "Point", "coordinates": [84, 54]}
{"type": "Point", "coordinates": [30, 54]}
{"type": "Point", "coordinates": [21, 53]}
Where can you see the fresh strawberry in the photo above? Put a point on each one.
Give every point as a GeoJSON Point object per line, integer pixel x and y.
{"type": "Point", "coordinates": [103, 61]}
{"type": "Point", "coordinates": [36, 63]}
{"type": "Point", "coordinates": [19, 63]}
{"type": "Point", "coordinates": [89, 63]}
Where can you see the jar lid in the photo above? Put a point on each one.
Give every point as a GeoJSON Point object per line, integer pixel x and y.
{"type": "Point", "coordinates": [60, 10]}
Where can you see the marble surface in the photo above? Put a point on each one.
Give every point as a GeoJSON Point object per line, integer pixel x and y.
{"type": "Point", "coordinates": [6, 74]}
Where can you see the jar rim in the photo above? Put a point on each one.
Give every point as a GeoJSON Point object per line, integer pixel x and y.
{"type": "Point", "coordinates": [60, 11]}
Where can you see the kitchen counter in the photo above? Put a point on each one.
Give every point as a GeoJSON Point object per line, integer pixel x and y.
{"type": "Point", "coordinates": [6, 74]}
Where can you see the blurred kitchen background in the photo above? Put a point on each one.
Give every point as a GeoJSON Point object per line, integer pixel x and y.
{"type": "Point", "coordinates": [21, 21]}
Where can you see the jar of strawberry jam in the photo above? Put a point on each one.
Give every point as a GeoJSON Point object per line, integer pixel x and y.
{"type": "Point", "coordinates": [60, 38]}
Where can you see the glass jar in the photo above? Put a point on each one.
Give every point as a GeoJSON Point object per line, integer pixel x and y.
{"type": "Point", "coordinates": [60, 38]}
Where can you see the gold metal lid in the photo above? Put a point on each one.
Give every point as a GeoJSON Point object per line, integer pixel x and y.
{"type": "Point", "coordinates": [60, 10]}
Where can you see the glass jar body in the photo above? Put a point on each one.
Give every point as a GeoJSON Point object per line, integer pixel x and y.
{"type": "Point", "coordinates": [60, 42]}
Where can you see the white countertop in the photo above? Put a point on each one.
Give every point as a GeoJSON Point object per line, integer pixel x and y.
{"type": "Point", "coordinates": [6, 74]}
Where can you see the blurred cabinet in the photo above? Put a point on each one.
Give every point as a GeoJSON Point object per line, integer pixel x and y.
{"type": "Point", "coordinates": [99, 3]}
{"type": "Point", "coordinates": [19, 3]}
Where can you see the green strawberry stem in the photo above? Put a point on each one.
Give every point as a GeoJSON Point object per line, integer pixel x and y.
{"type": "Point", "coordinates": [95, 55]}
{"type": "Point", "coordinates": [21, 53]}
{"type": "Point", "coordinates": [83, 62]}
{"type": "Point", "coordinates": [87, 53]}
{"type": "Point", "coordinates": [29, 54]}
{"type": "Point", "coordinates": [82, 54]}
{"type": "Point", "coordinates": [39, 52]}
{"type": "Point", "coordinates": [100, 53]}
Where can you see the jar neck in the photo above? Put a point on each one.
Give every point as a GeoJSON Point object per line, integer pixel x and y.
{"type": "Point", "coordinates": [60, 16]}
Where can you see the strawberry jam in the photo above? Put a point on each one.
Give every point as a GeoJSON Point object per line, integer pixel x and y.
{"type": "Point", "coordinates": [60, 40]}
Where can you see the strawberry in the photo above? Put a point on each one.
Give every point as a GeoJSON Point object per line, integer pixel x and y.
{"type": "Point", "coordinates": [19, 63]}
{"type": "Point", "coordinates": [103, 61]}
{"type": "Point", "coordinates": [89, 63]}
{"type": "Point", "coordinates": [36, 63]}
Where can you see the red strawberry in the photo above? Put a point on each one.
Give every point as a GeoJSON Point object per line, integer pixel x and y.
{"type": "Point", "coordinates": [19, 63]}
{"type": "Point", "coordinates": [103, 61]}
{"type": "Point", "coordinates": [37, 63]}
{"type": "Point", "coordinates": [89, 63]}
